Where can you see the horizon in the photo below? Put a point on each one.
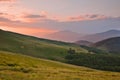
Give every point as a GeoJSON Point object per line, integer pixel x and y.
{"type": "Point", "coordinates": [39, 18]}
{"type": "Point", "coordinates": [75, 38]}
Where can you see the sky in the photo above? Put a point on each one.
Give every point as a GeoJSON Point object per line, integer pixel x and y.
{"type": "Point", "coordinates": [42, 17]}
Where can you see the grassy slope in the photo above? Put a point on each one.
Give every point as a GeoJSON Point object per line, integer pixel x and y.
{"type": "Point", "coordinates": [111, 45]}
{"type": "Point", "coordinates": [36, 47]}
{"type": "Point", "coordinates": [19, 67]}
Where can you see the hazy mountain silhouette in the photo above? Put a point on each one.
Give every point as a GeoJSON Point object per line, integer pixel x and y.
{"type": "Point", "coordinates": [101, 36]}
{"type": "Point", "coordinates": [67, 36]}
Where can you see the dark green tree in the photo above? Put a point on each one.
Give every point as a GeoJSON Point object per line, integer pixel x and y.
{"type": "Point", "coordinates": [71, 51]}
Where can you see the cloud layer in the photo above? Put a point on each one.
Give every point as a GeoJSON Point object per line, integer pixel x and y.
{"type": "Point", "coordinates": [7, 0]}
{"type": "Point", "coordinates": [37, 21]}
{"type": "Point", "coordinates": [88, 17]}
{"type": "Point", "coordinates": [39, 24]}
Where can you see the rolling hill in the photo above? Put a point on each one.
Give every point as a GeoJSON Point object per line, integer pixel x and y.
{"type": "Point", "coordinates": [52, 50]}
{"type": "Point", "coordinates": [111, 45]}
{"type": "Point", "coordinates": [19, 67]}
{"type": "Point", "coordinates": [83, 42]}
{"type": "Point", "coordinates": [37, 47]}
{"type": "Point", "coordinates": [101, 36]}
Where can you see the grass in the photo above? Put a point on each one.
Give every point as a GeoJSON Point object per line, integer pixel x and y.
{"type": "Point", "coordinates": [36, 47]}
{"type": "Point", "coordinates": [20, 67]}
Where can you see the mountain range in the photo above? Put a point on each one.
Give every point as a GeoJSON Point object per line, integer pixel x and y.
{"type": "Point", "coordinates": [66, 36]}
{"type": "Point", "coordinates": [69, 36]}
{"type": "Point", "coordinates": [101, 36]}
{"type": "Point", "coordinates": [29, 45]}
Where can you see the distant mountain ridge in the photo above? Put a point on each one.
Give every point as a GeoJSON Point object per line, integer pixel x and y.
{"type": "Point", "coordinates": [101, 36]}
{"type": "Point", "coordinates": [66, 36]}
{"type": "Point", "coordinates": [69, 36]}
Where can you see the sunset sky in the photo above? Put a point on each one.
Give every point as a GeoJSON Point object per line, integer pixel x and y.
{"type": "Point", "coordinates": [41, 17]}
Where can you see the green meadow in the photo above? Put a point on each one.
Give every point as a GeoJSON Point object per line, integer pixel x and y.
{"type": "Point", "coordinates": [21, 67]}
{"type": "Point", "coordinates": [36, 47]}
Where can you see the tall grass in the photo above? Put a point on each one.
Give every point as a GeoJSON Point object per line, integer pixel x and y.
{"type": "Point", "coordinates": [19, 67]}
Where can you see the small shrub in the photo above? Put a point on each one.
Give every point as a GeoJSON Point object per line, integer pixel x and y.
{"type": "Point", "coordinates": [11, 64]}
{"type": "Point", "coordinates": [25, 70]}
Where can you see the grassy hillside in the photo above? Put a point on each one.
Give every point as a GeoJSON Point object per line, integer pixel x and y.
{"type": "Point", "coordinates": [48, 49]}
{"type": "Point", "coordinates": [111, 45]}
{"type": "Point", "coordinates": [19, 67]}
{"type": "Point", "coordinates": [33, 46]}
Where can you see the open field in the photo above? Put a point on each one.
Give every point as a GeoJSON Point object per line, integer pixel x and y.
{"type": "Point", "coordinates": [19, 67]}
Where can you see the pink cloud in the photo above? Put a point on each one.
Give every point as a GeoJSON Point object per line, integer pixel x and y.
{"type": "Point", "coordinates": [76, 18]}
{"type": "Point", "coordinates": [87, 17]}
{"type": "Point", "coordinates": [45, 13]}
{"type": "Point", "coordinates": [20, 25]}
{"type": "Point", "coordinates": [35, 18]}
{"type": "Point", "coordinates": [32, 18]}
{"type": "Point", "coordinates": [7, 0]}
{"type": "Point", "coordinates": [31, 23]}
{"type": "Point", "coordinates": [8, 16]}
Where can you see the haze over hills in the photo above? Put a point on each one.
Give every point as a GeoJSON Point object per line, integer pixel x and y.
{"type": "Point", "coordinates": [66, 36]}
{"type": "Point", "coordinates": [111, 45]}
{"type": "Point", "coordinates": [101, 36]}
{"type": "Point", "coordinates": [57, 51]}
{"type": "Point", "coordinates": [69, 36]}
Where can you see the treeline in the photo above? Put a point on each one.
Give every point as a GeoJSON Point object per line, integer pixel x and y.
{"type": "Point", "coordinates": [96, 61]}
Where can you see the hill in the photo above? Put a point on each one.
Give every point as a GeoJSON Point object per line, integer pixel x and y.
{"type": "Point", "coordinates": [37, 47]}
{"type": "Point", "coordinates": [83, 42]}
{"type": "Point", "coordinates": [111, 45]}
{"type": "Point", "coordinates": [19, 67]}
{"type": "Point", "coordinates": [101, 36]}
{"type": "Point", "coordinates": [48, 49]}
